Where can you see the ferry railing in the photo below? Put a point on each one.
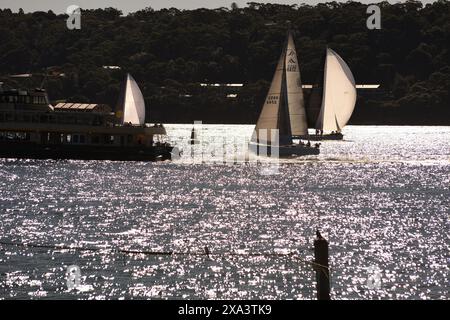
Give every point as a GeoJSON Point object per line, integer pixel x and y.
{"type": "Point", "coordinates": [55, 118]}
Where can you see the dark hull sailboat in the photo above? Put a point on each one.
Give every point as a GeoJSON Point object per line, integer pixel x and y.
{"type": "Point", "coordinates": [283, 150]}
{"type": "Point", "coordinates": [283, 114]}
{"type": "Point", "coordinates": [320, 137]}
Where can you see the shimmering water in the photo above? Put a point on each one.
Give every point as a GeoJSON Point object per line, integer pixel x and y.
{"type": "Point", "coordinates": [381, 197]}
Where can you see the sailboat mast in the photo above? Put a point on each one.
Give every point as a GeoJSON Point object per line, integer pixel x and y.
{"type": "Point", "coordinates": [293, 83]}
{"type": "Point", "coordinates": [321, 118]}
{"type": "Point", "coordinates": [284, 124]}
{"type": "Point", "coordinates": [314, 103]}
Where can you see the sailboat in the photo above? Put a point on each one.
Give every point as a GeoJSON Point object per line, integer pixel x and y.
{"type": "Point", "coordinates": [283, 114]}
{"type": "Point", "coordinates": [194, 139]}
{"type": "Point", "coordinates": [131, 105]}
{"type": "Point", "coordinates": [331, 104]}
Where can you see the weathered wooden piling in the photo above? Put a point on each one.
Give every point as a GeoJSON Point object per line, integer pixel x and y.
{"type": "Point", "coordinates": [321, 267]}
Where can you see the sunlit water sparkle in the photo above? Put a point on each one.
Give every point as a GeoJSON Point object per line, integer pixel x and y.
{"type": "Point", "coordinates": [381, 197]}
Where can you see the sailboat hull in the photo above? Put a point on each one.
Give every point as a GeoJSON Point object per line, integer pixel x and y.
{"type": "Point", "coordinates": [283, 151]}
{"type": "Point", "coordinates": [321, 137]}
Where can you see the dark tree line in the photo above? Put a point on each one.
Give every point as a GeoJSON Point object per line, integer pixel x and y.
{"type": "Point", "coordinates": [170, 51]}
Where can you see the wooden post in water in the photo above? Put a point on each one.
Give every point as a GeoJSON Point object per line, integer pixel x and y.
{"type": "Point", "coordinates": [322, 270]}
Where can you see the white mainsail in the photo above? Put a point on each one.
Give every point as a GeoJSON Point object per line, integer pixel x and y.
{"type": "Point", "coordinates": [295, 100]}
{"type": "Point", "coordinates": [268, 119]}
{"type": "Point", "coordinates": [284, 107]}
{"type": "Point", "coordinates": [339, 94]}
{"type": "Point", "coordinates": [134, 105]}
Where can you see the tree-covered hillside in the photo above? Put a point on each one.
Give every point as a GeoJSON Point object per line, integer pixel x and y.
{"type": "Point", "coordinates": [170, 52]}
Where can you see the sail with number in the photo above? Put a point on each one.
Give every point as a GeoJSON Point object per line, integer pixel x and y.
{"type": "Point", "coordinates": [339, 94]}
{"type": "Point", "coordinates": [284, 107]}
{"type": "Point", "coordinates": [268, 119]}
{"type": "Point", "coordinates": [133, 103]}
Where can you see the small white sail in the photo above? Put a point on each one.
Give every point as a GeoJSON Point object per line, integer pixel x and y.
{"type": "Point", "coordinates": [134, 105]}
{"type": "Point", "coordinates": [295, 100]}
{"type": "Point", "coordinates": [268, 119]}
{"type": "Point", "coordinates": [339, 94]}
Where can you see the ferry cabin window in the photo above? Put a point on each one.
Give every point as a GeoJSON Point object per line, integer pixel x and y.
{"type": "Point", "coordinates": [129, 138]}
{"type": "Point", "coordinates": [24, 99]}
{"type": "Point", "coordinates": [82, 139]}
{"type": "Point", "coordinates": [107, 139]}
{"type": "Point", "coordinates": [75, 138]}
{"type": "Point", "coordinates": [38, 100]}
{"type": "Point", "coordinates": [96, 139]}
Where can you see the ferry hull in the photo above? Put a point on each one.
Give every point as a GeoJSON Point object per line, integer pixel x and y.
{"type": "Point", "coordinates": [79, 152]}
{"type": "Point", "coordinates": [283, 150]}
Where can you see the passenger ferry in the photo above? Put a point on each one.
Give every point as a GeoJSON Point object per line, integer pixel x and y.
{"type": "Point", "coordinates": [32, 128]}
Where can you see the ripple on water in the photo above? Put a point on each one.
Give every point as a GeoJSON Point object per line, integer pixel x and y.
{"type": "Point", "coordinates": [382, 202]}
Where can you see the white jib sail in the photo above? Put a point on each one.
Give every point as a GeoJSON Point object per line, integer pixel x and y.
{"type": "Point", "coordinates": [268, 119]}
{"type": "Point", "coordinates": [295, 100]}
{"type": "Point", "coordinates": [134, 105]}
{"type": "Point", "coordinates": [339, 94]}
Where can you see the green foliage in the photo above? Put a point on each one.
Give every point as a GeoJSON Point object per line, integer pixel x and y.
{"type": "Point", "coordinates": [170, 51]}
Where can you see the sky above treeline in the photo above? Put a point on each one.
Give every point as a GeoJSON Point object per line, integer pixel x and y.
{"type": "Point", "coordinates": [60, 6]}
